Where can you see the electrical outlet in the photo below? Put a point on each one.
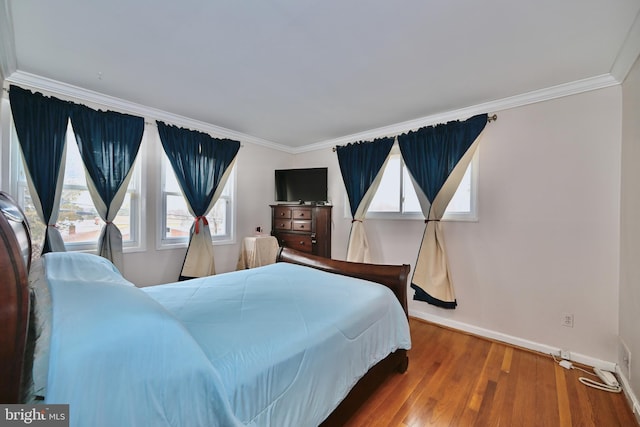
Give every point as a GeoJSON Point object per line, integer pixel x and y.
{"type": "Point", "coordinates": [567, 320]}
{"type": "Point", "coordinates": [565, 354]}
{"type": "Point", "coordinates": [625, 357]}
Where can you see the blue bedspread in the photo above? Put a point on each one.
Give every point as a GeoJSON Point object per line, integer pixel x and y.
{"type": "Point", "coordinates": [279, 345]}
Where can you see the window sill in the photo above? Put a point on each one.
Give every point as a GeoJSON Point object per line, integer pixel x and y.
{"type": "Point", "coordinates": [182, 244]}
{"type": "Point", "coordinates": [457, 217]}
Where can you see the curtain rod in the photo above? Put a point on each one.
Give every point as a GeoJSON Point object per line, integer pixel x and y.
{"type": "Point", "coordinates": [491, 118]}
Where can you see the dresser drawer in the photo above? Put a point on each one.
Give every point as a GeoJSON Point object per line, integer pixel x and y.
{"type": "Point", "coordinates": [281, 212]}
{"type": "Point", "coordinates": [295, 241]}
{"type": "Point", "coordinates": [305, 228]}
{"type": "Point", "coordinates": [298, 225]}
{"type": "Point", "coordinates": [282, 224]}
{"type": "Point", "coordinates": [301, 213]}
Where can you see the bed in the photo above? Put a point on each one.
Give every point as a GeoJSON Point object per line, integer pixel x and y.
{"type": "Point", "coordinates": [300, 342]}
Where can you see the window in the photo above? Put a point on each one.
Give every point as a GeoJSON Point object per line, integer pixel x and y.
{"type": "Point", "coordinates": [396, 197]}
{"type": "Point", "coordinates": [177, 221]}
{"type": "Point", "coordinates": [78, 221]}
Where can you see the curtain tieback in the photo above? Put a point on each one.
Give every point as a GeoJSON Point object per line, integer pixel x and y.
{"type": "Point", "coordinates": [431, 220]}
{"type": "Point", "coordinates": [355, 220]}
{"type": "Point", "coordinates": [204, 221]}
{"type": "Point", "coordinates": [52, 225]}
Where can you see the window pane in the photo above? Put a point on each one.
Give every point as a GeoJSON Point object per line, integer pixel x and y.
{"type": "Point", "coordinates": [73, 168]}
{"type": "Point", "coordinates": [387, 198]}
{"type": "Point", "coordinates": [411, 203]}
{"type": "Point", "coordinates": [389, 204]}
{"type": "Point", "coordinates": [179, 220]}
{"type": "Point", "coordinates": [461, 200]}
{"type": "Point", "coordinates": [170, 181]}
{"type": "Point", "coordinates": [78, 220]}
{"type": "Point", "coordinates": [218, 218]}
{"type": "Point", "coordinates": [123, 218]}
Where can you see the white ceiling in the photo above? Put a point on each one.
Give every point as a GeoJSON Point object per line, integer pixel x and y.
{"type": "Point", "coordinates": [297, 72]}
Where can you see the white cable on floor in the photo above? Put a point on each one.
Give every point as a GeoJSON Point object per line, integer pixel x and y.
{"type": "Point", "coordinates": [600, 386]}
{"type": "Point", "coordinates": [588, 381]}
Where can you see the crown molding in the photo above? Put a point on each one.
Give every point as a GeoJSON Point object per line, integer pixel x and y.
{"type": "Point", "coordinates": [8, 62]}
{"type": "Point", "coordinates": [629, 52]}
{"type": "Point", "coordinates": [559, 91]}
{"type": "Point", "coordinates": [80, 95]}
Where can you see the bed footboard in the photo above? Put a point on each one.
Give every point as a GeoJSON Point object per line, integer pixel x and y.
{"type": "Point", "coordinates": [392, 276]}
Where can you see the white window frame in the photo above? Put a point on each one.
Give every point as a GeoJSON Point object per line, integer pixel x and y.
{"type": "Point", "coordinates": [471, 216]}
{"type": "Point", "coordinates": [182, 242]}
{"type": "Point", "coordinates": [136, 190]}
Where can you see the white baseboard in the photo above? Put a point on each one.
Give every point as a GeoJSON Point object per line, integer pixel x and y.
{"type": "Point", "coordinates": [628, 392]}
{"type": "Point", "coordinates": [516, 341]}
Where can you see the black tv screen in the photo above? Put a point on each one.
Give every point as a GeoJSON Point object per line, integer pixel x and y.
{"type": "Point", "coordinates": [301, 185]}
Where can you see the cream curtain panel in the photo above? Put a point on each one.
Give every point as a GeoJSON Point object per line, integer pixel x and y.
{"type": "Point", "coordinates": [358, 248]}
{"type": "Point", "coordinates": [437, 158]}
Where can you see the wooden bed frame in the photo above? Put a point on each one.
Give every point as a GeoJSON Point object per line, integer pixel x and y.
{"type": "Point", "coordinates": [392, 276]}
{"type": "Point", "coordinates": [15, 259]}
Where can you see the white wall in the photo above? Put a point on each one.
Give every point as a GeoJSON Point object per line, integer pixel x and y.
{"type": "Point", "coordinates": [630, 228]}
{"type": "Point", "coordinates": [547, 239]}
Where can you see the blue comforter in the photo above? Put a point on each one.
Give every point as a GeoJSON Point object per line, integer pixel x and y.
{"type": "Point", "coordinates": [279, 345]}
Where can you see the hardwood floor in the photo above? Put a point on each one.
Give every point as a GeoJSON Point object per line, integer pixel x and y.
{"type": "Point", "coordinates": [455, 379]}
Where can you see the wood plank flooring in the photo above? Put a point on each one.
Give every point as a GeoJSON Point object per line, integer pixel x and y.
{"type": "Point", "coordinates": [455, 379]}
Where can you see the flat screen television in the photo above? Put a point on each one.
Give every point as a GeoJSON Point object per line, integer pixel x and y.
{"type": "Point", "coordinates": [301, 185]}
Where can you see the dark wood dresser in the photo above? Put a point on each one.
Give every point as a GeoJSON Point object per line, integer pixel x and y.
{"type": "Point", "coordinates": [306, 228]}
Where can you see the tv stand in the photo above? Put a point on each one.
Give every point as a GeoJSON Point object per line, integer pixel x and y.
{"type": "Point", "coordinates": [306, 228]}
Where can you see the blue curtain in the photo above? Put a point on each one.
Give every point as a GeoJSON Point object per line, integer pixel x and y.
{"type": "Point", "coordinates": [200, 163]}
{"type": "Point", "coordinates": [359, 164]}
{"type": "Point", "coordinates": [41, 125]}
{"type": "Point", "coordinates": [198, 160]}
{"type": "Point", "coordinates": [108, 143]}
{"type": "Point", "coordinates": [431, 154]}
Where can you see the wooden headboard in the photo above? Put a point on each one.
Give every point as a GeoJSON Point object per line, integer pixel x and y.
{"type": "Point", "coordinates": [15, 261]}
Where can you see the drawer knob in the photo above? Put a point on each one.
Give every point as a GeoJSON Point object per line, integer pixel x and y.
{"type": "Point", "coordinates": [302, 242]}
